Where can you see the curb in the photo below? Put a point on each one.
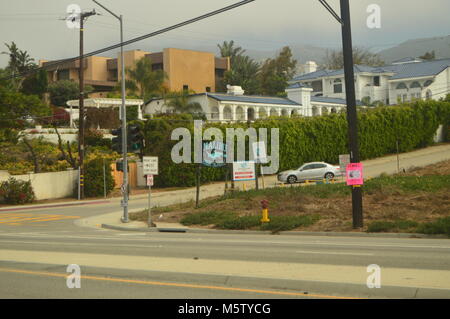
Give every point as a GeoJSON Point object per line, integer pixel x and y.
{"type": "Point", "coordinates": [264, 232]}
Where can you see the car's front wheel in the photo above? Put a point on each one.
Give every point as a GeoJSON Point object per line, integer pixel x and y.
{"type": "Point", "coordinates": [329, 176]}
{"type": "Point", "coordinates": [292, 179]}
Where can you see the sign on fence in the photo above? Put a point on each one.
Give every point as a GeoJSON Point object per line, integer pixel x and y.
{"type": "Point", "coordinates": [243, 171]}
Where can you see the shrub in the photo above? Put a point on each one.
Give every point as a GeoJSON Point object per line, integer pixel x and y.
{"type": "Point", "coordinates": [385, 226]}
{"type": "Point", "coordinates": [439, 226]}
{"type": "Point", "coordinates": [206, 218]}
{"type": "Point", "coordinates": [305, 139]}
{"type": "Point", "coordinates": [15, 192]}
{"type": "Point", "coordinates": [94, 137]}
{"type": "Point", "coordinates": [242, 222]}
{"type": "Point", "coordinates": [93, 177]}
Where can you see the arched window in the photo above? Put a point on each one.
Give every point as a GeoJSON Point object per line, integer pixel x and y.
{"type": "Point", "coordinates": [214, 113]}
{"type": "Point", "coordinates": [401, 86]}
{"type": "Point", "coordinates": [227, 115]}
{"type": "Point", "coordinates": [427, 83]}
{"type": "Point", "coordinates": [337, 86]}
{"type": "Point", "coordinates": [415, 85]}
{"type": "Point", "coordinates": [428, 95]}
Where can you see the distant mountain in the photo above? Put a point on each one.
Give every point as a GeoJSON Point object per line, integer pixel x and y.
{"type": "Point", "coordinates": [417, 47]}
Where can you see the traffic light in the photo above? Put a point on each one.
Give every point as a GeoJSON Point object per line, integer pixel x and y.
{"type": "Point", "coordinates": [134, 139]}
{"type": "Point", "coordinates": [117, 140]}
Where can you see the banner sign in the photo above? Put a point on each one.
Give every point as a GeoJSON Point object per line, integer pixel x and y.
{"type": "Point", "coordinates": [354, 174]}
{"type": "Point", "coordinates": [214, 154]}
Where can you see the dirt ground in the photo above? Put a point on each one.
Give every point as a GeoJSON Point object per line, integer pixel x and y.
{"type": "Point", "coordinates": [336, 212]}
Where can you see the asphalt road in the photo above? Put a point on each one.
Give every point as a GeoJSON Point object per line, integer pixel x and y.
{"type": "Point", "coordinates": [37, 245]}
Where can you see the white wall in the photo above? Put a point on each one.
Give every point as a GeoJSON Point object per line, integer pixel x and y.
{"type": "Point", "coordinates": [50, 185]}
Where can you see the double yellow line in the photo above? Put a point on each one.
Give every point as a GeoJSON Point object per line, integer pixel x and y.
{"type": "Point", "coordinates": [168, 284]}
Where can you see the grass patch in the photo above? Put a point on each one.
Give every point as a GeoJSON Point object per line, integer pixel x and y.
{"type": "Point", "coordinates": [386, 226]}
{"type": "Point", "coordinates": [281, 223]}
{"type": "Point", "coordinates": [407, 184]}
{"type": "Point", "coordinates": [228, 220]}
{"type": "Point", "coordinates": [207, 218]}
{"type": "Point", "coordinates": [439, 226]}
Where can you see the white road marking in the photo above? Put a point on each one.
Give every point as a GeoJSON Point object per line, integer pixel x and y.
{"type": "Point", "coordinates": [332, 253]}
{"type": "Point", "coordinates": [78, 244]}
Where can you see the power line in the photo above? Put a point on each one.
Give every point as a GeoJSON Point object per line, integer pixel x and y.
{"type": "Point", "coordinates": [137, 39]}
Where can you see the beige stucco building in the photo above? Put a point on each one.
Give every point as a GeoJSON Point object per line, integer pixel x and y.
{"type": "Point", "coordinates": [185, 69]}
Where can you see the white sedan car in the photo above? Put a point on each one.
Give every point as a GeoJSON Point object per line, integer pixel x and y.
{"type": "Point", "coordinates": [310, 171]}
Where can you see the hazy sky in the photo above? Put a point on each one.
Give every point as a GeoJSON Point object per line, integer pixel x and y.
{"type": "Point", "coordinates": [262, 25]}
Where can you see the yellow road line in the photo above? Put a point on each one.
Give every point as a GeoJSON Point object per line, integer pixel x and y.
{"type": "Point", "coordinates": [158, 283]}
{"type": "Point", "coordinates": [38, 218]}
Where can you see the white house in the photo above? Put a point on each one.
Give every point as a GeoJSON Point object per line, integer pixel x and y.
{"type": "Point", "coordinates": [403, 80]}
{"type": "Point", "coordinates": [236, 106]}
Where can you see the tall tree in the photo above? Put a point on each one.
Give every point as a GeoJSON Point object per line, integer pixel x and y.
{"type": "Point", "coordinates": [144, 81]}
{"type": "Point", "coordinates": [227, 49]}
{"type": "Point", "coordinates": [65, 90]}
{"type": "Point", "coordinates": [36, 83]}
{"type": "Point", "coordinates": [429, 56]}
{"type": "Point", "coordinates": [334, 59]}
{"type": "Point", "coordinates": [19, 61]}
{"type": "Point", "coordinates": [275, 73]}
{"type": "Point", "coordinates": [244, 72]}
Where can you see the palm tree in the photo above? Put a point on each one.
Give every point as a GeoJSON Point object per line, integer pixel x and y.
{"type": "Point", "coordinates": [227, 49]}
{"type": "Point", "coordinates": [244, 73]}
{"type": "Point", "coordinates": [145, 82]}
{"type": "Point", "coordinates": [19, 61]}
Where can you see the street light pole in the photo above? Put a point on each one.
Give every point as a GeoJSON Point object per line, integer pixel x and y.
{"type": "Point", "coordinates": [123, 112]}
{"type": "Point", "coordinates": [83, 15]}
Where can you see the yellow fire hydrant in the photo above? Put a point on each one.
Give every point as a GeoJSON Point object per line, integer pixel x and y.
{"type": "Point", "coordinates": [265, 211]}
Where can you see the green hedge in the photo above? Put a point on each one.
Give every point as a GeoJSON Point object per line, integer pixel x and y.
{"type": "Point", "coordinates": [301, 140]}
{"type": "Point", "coordinates": [93, 179]}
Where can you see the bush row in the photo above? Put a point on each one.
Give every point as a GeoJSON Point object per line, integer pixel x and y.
{"type": "Point", "coordinates": [302, 140]}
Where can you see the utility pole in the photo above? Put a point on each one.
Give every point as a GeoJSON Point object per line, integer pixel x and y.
{"type": "Point", "coordinates": [352, 119]}
{"type": "Point", "coordinates": [123, 113]}
{"type": "Point", "coordinates": [83, 15]}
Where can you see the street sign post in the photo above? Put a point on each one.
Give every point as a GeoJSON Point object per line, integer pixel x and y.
{"type": "Point", "coordinates": [150, 168]}
{"type": "Point", "coordinates": [150, 165]}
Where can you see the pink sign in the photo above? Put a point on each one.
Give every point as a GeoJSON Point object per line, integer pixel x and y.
{"type": "Point", "coordinates": [354, 174]}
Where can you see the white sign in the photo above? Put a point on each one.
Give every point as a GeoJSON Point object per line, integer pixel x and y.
{"type": "Point", "coordinates": [243, 171]}
{"type": "Point", "coordinates": [344, 160]}
{"type": "Point", "coordinates": [259, 152]}
{"type": "Point", "coordinates": [150, 165]}
{"type": "Point", "coordinates": [149, 180]}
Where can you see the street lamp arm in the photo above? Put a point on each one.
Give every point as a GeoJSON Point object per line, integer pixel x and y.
{"type": "Point", "coordinates": [112, 13]}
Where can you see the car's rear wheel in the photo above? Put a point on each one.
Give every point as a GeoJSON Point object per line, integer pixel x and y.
{"type": "Point", "coordinates": [292, 179]}
{"type": "Point", "coordinates": [329, 176]}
